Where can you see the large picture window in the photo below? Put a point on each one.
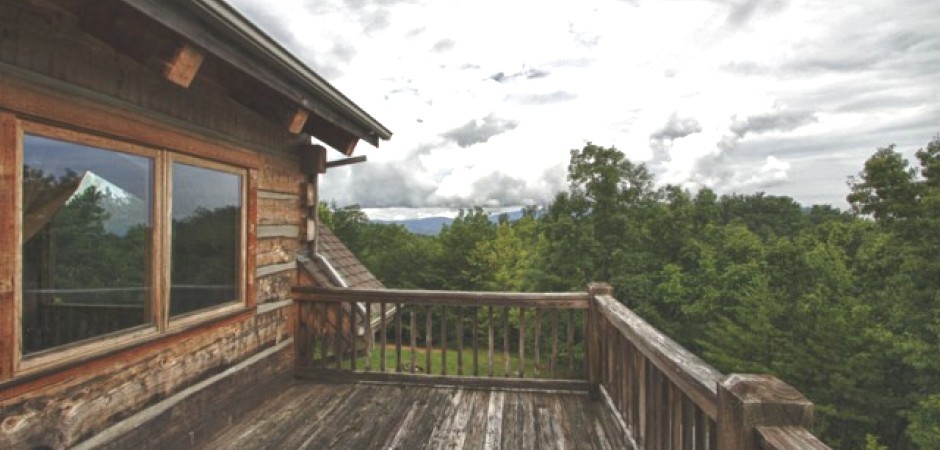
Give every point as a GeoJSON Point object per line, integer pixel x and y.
{"type": "Point", "coordinates": [118, 237]}
{"type": "Point", "coordinates": [87, 240]}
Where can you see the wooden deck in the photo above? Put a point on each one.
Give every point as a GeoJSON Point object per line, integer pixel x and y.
{"type": "Point", "coordinates": [315, 415]}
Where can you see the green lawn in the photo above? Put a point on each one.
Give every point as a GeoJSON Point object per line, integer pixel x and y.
{"type": "Point", "coordinates": [452, 363]}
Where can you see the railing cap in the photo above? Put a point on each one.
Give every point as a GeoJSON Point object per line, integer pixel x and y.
{"type": "Point", "coordinates": [600, 288]}
{"type": "Point", "coordinates": [752, 388]}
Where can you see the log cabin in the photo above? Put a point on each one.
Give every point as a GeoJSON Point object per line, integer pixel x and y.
{"type": "Point", "coordinates": [164, 282]}
{"type": "Point", "coordinates": [156, 168]}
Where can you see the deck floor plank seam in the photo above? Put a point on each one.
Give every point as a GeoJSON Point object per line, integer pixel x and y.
{"type": "Point", "coordinates": [318, 415]}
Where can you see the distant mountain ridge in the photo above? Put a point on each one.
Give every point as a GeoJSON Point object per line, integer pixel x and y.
{"type": "Point", "coordinates": [431, 226]}
{"type": "Point", "coordinates": [124, 210]}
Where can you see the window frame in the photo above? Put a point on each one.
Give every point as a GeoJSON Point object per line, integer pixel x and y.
{"type": "Point", "coordinates": [194, 317]}
{"type": "Point", "coordinates": [13, 130]}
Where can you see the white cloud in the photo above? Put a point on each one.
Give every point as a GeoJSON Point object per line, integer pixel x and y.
{"type": "Point", "coordinates": [486, 98]}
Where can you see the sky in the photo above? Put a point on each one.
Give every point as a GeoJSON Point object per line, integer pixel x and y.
{"type": "Point", "coordinates": [486, 98]}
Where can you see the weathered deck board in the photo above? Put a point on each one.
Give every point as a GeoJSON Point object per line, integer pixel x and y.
{"type": "Point", "coordinates": [346, 415]}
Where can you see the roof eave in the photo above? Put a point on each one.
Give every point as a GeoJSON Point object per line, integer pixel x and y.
{"type": "Point", "coordinates": [251, 39]}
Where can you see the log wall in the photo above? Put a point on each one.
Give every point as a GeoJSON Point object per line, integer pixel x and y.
{"type": "Point", "coordinates": [54, 70]}
{"type": "Point", "coordinates": [85, 399]}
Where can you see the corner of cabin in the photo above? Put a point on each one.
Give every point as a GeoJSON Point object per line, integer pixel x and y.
{"type": "Point", "coordinates": [185, 125]}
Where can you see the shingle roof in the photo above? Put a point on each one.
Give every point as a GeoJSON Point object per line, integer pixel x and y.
{"type": "Point", "coordinates": [352, 272]}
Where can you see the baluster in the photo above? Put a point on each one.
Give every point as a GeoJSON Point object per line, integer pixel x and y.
{"type": "Point", "coordinates": [538, 341]}
{"type": "Point", "coordinates": [553, 361]}
{"type": "Point", "coordinates": [669, 407]}
{"type": "Point", "coordinates": [712, 434]}
{"type": "Point", "coordinates": [506, 370]}
{"type": "Point", "coordinates": [384, 331]}
{"type": "Point", "coordinates": [677, 420]}
{"type": "Point", "coordinates": [352, 335]}
{"type": "Point", "coordinates": [489, 355]}
{"type": "Point", "coordinates": [304, 337]}
{"type": "Point", "coordinates": [476, 347]}
{"type": "Point", "coordinates": [655, 406]}
{"type": "Point", "coordinates": [428, 338]}
{"type": "Point", "coordinates": [443, 340]}
{"type": "Point", "coordinates": [337, 334]}
{"type": "Point", "coordinates": [324, 344]}
{"type": "Point", "coordinates": [459, 341]}
{"type": "Point", "coordinates": [413, 335]}
{"type": "Point", "coordinates": [369, 337]}
{"type": "Point", "coordinates": [688, 422]}
{"type": "Point", "coordinates": [701, 439]}
{"type": "Point", "coordinates": [571, 343]}
{"type": "Point", "coordinates": [521, 342]}
{"type": "Point", "coordinates": [644, 398]}
{"type": "Point", "coordinates": [398, 338]}
{"type": "Point", "coordinates": [630, 380]}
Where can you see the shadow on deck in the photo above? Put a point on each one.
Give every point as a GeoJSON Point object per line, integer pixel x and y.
{"type": "Point", "coordinates": [317, 415]}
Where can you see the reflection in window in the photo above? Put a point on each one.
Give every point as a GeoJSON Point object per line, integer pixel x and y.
{"type": "Point", "coordinates": [206, 235]}
{"type": "Point", "coordinates": [86, 242]}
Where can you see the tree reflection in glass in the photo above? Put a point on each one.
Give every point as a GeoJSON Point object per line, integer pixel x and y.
{"type": "Point", "coordinates": [86, 242]}
{"type": "Point", "coordinates": [206, 238]}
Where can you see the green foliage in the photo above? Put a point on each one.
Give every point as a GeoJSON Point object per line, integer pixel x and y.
{"type": "Point", "coordinates": [845, 307]}
{"type": "Point", "coordinates": [925, 422]}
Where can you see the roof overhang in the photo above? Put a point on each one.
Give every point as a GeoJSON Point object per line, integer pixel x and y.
{"type": "Point", "coordinates": [223, 33]}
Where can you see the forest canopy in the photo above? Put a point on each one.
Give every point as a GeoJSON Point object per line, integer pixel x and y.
{"type": "Point", "coordinates": [845, 306]}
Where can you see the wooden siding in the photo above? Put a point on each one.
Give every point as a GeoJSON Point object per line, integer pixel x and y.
{"type": "Point", "coordinates": [54, 73]}
{"type": "Point", "coordinates": [45, 43]}
{"type": "Point", "coordinates": [76, 403]}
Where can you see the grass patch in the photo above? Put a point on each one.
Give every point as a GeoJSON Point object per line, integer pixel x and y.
{"type": "Point", "coordinates": [437, 361]}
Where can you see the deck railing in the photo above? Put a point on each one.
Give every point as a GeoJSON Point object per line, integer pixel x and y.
{"type": "Point", "coordinates": [465, 337]}
{"type": "Point", "coordinates": [664, 396]}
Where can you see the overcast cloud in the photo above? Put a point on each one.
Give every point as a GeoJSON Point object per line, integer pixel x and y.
{"type": "Point", "coordinates": [487, 98]}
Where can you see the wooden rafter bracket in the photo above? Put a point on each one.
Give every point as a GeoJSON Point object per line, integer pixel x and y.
{"type": "Point", "coordinates": [346, 162]}
{"type": "Point", "coordinates": [298, 120]}
{"type": "Point", "coordinates": [186, 62]}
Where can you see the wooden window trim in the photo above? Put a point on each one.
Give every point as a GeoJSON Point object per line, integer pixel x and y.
{"type": "Point", "coordinates": [13, 365]}
{"type": "Point", "coordinates": [11, 175]}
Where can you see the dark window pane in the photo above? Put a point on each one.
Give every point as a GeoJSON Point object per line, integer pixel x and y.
{"type": "Point", "coordinates": [206, 238]}
{"type": "Point", "coordinates": [86, 242]}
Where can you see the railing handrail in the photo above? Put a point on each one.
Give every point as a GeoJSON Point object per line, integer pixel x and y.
{"type": "Point", "coordinates": [695, 377]}
{"type": "Point", "coordinates": [563, 300]}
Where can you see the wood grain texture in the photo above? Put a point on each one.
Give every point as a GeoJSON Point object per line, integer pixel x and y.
{"type": "Point", "coordinates": [128, 70]}
{"type": "Point", "coordinates": [346, 415]}
{"type": "Point", "coordinates": [274, 287]}
{"type": "Point", "coordinates": [418, 379]}
{"type": "Point", "coordinates": [66, 406]}
{"type": "Point", "coordinates": [250, 258]}
{"type": "Point", "coordinates": [276, 250]}
{"type": "Point", "coordinates": [184, 66]}
{"type": "Point", "coordinates": [197, 413]}
{"type": "Point", "coordinates": [746, 402]}
{"type": "Point", "coordinates": [788, 438]}
{"type": "Point", "coordinates": [697, 379]}
{"type": "Point", "coordinates": [297, 121]}
{"type": "Point", "coordinates": [566, 300]}
{"type": "Point", "coordinates": [10, 219]}
{"type": "Point", "coordinates": [32, 101]}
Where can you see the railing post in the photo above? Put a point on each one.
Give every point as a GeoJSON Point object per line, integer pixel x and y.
{"type": "Point", "coordinates": [746, 402]}
{"type": "Point", "coordinates": [592, 338]}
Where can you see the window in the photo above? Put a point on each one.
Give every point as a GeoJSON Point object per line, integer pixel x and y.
{"type": "Point", "coordinates": [87, 242]}
{"type": "Point", "coordinates": [206, 235]}
{"type": "Point", "coordinates": [118, 237]}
